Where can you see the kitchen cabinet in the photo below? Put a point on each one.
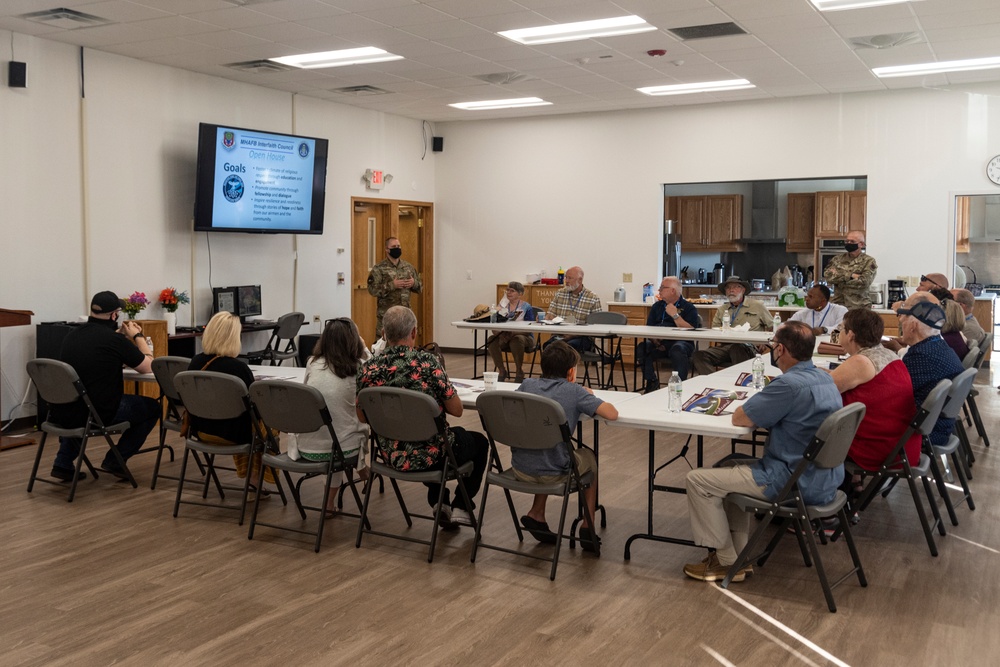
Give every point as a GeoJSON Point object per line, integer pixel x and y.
{"type": "Point", "coordinates": [840, 212]}
{"type": "Point", "coordinates": [801, 222]}
{"type": "Point", "coordinates": [962, 231]}
{"type": "Point", "coordinates": [708, 222]}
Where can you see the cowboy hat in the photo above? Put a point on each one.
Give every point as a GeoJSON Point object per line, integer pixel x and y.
{"type": "Point", "coordinates": [739, 281]}
{"type": "Point", "coordinates": [480, 314]}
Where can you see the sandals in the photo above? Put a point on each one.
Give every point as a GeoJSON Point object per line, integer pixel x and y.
{"type": "Point", "coordinates": [538, 529]}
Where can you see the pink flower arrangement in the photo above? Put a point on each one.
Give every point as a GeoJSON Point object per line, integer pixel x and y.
{"type": "Point", "coordinates": [135, 304]}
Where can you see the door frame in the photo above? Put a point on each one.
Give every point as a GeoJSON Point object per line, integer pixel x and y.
{"type": "Point", "coordinates": [425, 318]}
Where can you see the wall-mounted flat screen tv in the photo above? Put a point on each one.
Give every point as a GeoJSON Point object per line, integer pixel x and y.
{"type": "Point", "coordinates": [259, 182]}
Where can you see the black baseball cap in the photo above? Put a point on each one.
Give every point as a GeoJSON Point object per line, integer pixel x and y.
{"type": "Point", "coordinates": [105, 302]}
{"type": "Point", "coordinates": [929, 313]}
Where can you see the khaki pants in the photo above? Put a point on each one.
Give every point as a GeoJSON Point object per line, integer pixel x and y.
{"type": "Point", "coordinates": [722, 527]}
{"type": "Point", "coordinates": [515, 343]}
{"type": "Point", "coordinates": [706, 360]}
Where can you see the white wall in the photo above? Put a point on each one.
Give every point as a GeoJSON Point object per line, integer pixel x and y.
{"type": "Point", "coordinates": [133, 162]}
{"type": "Point", "coordinates": [515, 196]}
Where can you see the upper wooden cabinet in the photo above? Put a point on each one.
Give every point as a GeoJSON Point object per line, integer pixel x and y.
{"type": "Point", "coordinates": [801, 222]}
{"type": "Point", "coordinates": [840, 212]}
{"type": "Point", "coordinates": [708, 222]}
{"type": "Point", "coordinates": [962, 224]}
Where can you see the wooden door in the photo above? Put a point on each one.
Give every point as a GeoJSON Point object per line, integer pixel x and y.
{"type": "Point", "coordinates": [690, 215]}
{"type": "Point", "coordinates": [801, 222]}
{"type": "Point", "coordinates": [414, 232]}
{"type": "Point", "coordinates": [368, 234]}
{"type": "Point", "coordinates": [828, 215]}
{"type": "Point", "coordinates": [855, 207]}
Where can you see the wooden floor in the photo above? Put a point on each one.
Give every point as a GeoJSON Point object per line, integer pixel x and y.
{"type": "Point", "coordinates": [113, 578]}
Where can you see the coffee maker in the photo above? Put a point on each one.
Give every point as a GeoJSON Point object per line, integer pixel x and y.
{"type": "Point", "coordinates": [895, 291]}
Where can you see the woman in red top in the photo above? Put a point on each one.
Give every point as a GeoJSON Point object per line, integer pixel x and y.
{"type": "Point", "coordinates": [876, 377]}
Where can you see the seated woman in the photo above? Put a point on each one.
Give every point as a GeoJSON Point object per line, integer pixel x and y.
{"type": "Point", "coordinates": [332, 370]}
{"type": "Point", "coordinates": [954, 322]}
{"type": "Point", "coordinates": [515, 342]}
{"type": "Point", "coordinates": [876, 377]}
{"type": "Point", "coordinates": [221, 345]}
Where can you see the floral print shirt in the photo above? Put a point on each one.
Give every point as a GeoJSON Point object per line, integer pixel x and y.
{"type": "Point", "coordinates": [407, 368]}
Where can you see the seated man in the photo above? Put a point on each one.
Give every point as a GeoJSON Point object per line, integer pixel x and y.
{"type": "Point", "coordinates": [928, 283]}
{"type": "Point", "coordinates": [400, 365]}
{"type": "Point", "coordinates": [741, 310]}
{"type": "Point", "coordinates": [558, 382]}
{"type": "Point", "coordinates": [97, 351]}
{"type": "Point", "coordinates": [515, 342]}
{"type": "Point", "coordinates": [792, 406]}
{"type": "Point", "coordinates": [575, 301]}
{"type": "Point", "coordinates": [928, 357]}
{"type": "Point", "coordinates": [974, 333]}
{"type": "Point", "coordinates": [672, 310]}
{"type": "Point", "coordinates": [821, 315]}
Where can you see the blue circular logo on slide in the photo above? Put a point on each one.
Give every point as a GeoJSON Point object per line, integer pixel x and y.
{"type": "Point", "coordinates": [232, 188]}
{"type": "Point", "coordinates": [303, 149]}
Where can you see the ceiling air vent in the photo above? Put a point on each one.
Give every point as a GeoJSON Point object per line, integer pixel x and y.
{"type": "Point", "coordinates": [886, 41]}
{"type": "Point", "coordinates": [262, 66]}
{"type": "Point", "coordinates": [360, 90]}
{"type": "Point", "coordinates": [68, 19]}
{"type": "Point", "coordinates": [503, 78]}
{"type": "Point", "coordinates": [709, 30]}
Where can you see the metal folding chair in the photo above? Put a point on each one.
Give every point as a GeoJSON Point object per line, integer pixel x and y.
{"type": "Point", "coordinates": [281, 345]}
{"type": "Point", "coordinates": [961, 384]}
{"type": "Point", "coordinates": [58, 384]}
{"type": "Point", "coordinates": [607, 350]}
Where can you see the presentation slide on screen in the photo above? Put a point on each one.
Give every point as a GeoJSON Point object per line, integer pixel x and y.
{"type": "Point", "coordinates": [263, 181]}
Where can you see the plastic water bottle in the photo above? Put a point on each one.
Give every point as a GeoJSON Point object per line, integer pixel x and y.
{"type": "Point", "coordinates": [776, 322]}
{"type": "Point", "coordinates": [493, 313]}
{"type": "Point", "coordinates": [676, 390]}
{"type": "Point", "coordinates": [725, 319]}
{"type": "Point", "coordinates": [758, 373]}
{"type": "Point", "coordinates": [149, 342]}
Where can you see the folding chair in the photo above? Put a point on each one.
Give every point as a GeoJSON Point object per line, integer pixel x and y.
{"type": "Point", "coordinates": [957, 395]}
{"type": "Point", "coordinates": [281, 345]}
{"type": "Point", "coordinates": [601, 355]}
{"type": "Point", "coordinates": [527, 421]}
{"type": "Point", "coordinates": [896, 466]}
{"type": "Point", "coordinates": [292, 407]}
{"type": "Point", "coordinates": [210, 395]}
{"type": "Point", "coordinates": [58, 384]}
{"type": "Point", "coordinates": [827, 450]}
{"type": "Point", "coordinates": [171, 416]}
{"type": "Point", "coordinates": [408, 416]}
{"type": "Point", "coordinates": [984, 346]}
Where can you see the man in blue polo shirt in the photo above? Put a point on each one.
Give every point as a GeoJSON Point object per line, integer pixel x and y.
{"type": "Point", "coordinates": [792, 407]}
{"type": "Point", "coordinates": [670, 311]}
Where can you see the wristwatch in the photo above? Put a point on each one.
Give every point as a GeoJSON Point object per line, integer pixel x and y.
{"type": "Point", "coordinates": [137, 335]}
{"type": "Point", "coordinates": [677, 316]}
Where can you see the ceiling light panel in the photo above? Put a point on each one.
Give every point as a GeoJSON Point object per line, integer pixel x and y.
{"type": "Point", "coordinates": [704, 87]}
{"type": "Point", "coordinates": [360, 56]}
{"type": "Point", "coordinates": [570, 32]}
{"type": "Point", "coordinates": [485, 105]}
{"type": "Point", "coordinates": [920, 69]}
{"type": "Point", "coordinates": [839, 5]}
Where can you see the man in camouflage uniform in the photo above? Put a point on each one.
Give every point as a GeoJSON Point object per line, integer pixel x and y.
{"type": "Point", "coordinates": [852, 273]}
{"type": "Point", "coordinates": [391, 281]}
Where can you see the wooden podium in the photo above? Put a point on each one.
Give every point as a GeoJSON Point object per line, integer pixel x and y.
{"type": "Point", "coordinates": [14, 318]}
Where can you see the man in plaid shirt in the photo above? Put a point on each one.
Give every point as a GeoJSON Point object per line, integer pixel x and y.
{"type": "Point", "coordinates": [575, 301]}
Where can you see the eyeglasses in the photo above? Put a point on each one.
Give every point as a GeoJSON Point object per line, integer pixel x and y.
{"type": "Point", "coordinates": [925, 279]}
{"type": "Point", "coordinates": [327, 323]}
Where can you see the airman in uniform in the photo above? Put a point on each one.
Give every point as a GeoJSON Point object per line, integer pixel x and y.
{"type": "Point", "coordinates": [391, 281]}
{"type": "Point", "coordinates": [852, 273]}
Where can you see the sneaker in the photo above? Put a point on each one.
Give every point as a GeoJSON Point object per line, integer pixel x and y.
{"type": "Point", "coordinates": [66, 474]}
{"type": "Point", "coordinates": [462, 517]}
{"type": "Point", "coordinates": [444, 519]}
{"type": "Point", "coordinates": [710, 569]}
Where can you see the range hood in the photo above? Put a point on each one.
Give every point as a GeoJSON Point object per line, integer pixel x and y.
{"type": "Point", "coordinates": [764, 214]}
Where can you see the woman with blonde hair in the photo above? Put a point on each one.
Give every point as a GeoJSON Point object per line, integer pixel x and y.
{"type": "Point", "coordinates": [332, 370]}
{"type": "Point", "coordinates": [220, 347]}
{"type": "Point", "coordinates": [954, 323]}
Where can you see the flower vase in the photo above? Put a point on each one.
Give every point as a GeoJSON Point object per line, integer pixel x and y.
{"type": "Point", "coordinates": [171, 319]}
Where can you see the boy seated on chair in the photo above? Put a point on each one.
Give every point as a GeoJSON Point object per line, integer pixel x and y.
{"type": "Point", "coordinates": [558, 382]}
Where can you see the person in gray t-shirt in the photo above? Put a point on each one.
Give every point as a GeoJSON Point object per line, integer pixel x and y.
{"type": "Point", "coordinates": [558, 382]}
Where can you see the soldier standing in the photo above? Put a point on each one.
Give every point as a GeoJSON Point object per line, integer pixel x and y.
{"type": "Point", "coordinates": [852, 273]}
{"type": "Point", "coordinates": [392, 280]}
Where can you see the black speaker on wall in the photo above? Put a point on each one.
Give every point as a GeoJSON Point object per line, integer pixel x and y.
{"type": "Point", "coordinates": [17, 74]}
{"type": "Point", "coordinates": [437, 144]}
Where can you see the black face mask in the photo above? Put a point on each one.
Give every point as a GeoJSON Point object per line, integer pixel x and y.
{"type": "Point", "coordinates": [774, 360]}
{"type": "Point", "coordinates": [395, 253]}
{"type": "Point", "coordinates": [851, 247]}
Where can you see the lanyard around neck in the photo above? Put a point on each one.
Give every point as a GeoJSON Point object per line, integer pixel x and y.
{"type": "Point", "coordinates": [825, 312]}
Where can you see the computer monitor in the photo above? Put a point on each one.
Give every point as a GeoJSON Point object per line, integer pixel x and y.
{"type": "Point", "coordinates": [249, 301]}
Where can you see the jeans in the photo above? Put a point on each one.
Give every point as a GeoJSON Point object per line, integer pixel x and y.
{"type": "Point", "coordinates": [469, 446]}
{"type": "Point", "coordinates": [579, 343]}
{"type": "Point", "coordinates": [141, 412]}
{"type": "Point", "coordinates": [679, 352]}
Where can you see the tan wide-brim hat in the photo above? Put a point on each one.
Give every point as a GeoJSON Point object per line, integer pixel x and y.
{"type": "Point", "coordinates": [739, 281]}
{"type": "Point", "coordinates": [480, 314]}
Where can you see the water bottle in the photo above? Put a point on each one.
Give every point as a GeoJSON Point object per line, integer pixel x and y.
{"type": "Point", "coordinates": [149, 342]}
{"type": "Point", "coordinates": [676, 390]}
{"type": "Point", "coordinates": [758, 373]}
{"type": "Point", "coordinates": [725, 319]}
{"type": "Point", "coordinates": [493, 314]}
{"type": "Point", "coordinates": [776, 322]}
